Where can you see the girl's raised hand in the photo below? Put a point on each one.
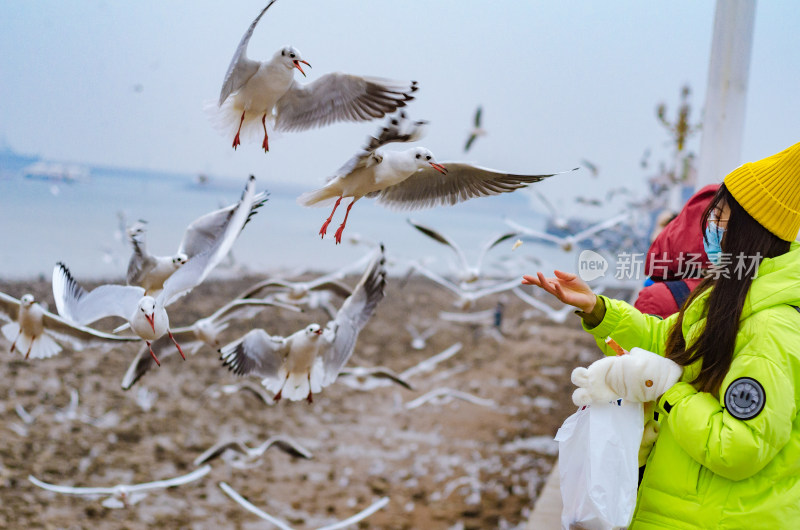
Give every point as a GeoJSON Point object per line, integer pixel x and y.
{"type": "Point", "coordinates": [567, 287]}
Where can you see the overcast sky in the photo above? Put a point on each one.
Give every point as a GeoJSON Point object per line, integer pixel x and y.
{"type": "Point", "coordinates": [123, 83]}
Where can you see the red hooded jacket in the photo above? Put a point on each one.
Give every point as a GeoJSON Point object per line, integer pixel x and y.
{"type": "Point", "coordinates": [676, 254]}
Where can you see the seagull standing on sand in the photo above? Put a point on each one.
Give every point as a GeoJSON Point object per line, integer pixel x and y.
{"type": "Point", "coordinates": [254, 89]}
{"type": "Point", "coordinates": [38, 332]}
{"type": "Point", "coordinates": [408, 180]}
{"type": "Point", "coordinates": [303, 363]}
{"type": "Point", "coordinates": [146, 314]}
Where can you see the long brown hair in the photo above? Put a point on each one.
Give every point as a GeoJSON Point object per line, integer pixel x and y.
{"type": "Point", "coordinates": [744, 236]}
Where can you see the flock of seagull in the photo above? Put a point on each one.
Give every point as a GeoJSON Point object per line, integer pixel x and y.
{"type": "Point", "coordinates": [264, 95]}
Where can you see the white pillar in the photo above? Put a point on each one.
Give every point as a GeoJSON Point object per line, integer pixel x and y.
{"type": "Point", "coordinates": [726, 93]}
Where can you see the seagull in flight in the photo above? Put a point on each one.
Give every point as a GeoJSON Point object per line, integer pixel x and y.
{"type": "Point", "coordinates": [284, 443]}
{"type": "Point", "coordinates": [205, 331]}
{"type": "Point", "coordinates": [39, 333]}
{"type": "Point", "coordinates": [408, 180]}
{"type": "Point", "coordinates": [150, 272]}
{"type": "Point", "coordinates": [147, 315]}
{"type": "Point", "coordinates": [419, 339]}
{"type": "Point", "coordinates": [123, 495]}
{"type": "Point", "coordinates": [296, 366]}
{"type": "Point", "coordinates": [476, 131]}
{"type": "Point", "coordinates": [467, 273]}
{"type": "Point", "coordinates": [568, 242]}
{"type": "Point", "coordinates": [254, 90]}
{"type": "Point", "coordinates": [465, 299]}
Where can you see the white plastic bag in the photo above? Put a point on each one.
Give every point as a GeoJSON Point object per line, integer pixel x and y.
{"type": "Point", "coordinates": [598, 465]}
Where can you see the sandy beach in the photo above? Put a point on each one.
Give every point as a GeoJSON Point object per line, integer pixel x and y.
{"type": "Point", "coordinates": [451, 464]}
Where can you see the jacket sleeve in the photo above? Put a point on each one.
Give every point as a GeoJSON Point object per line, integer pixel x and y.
{"type": "Point", "coordinates": [629, 327]}
{"type": "Point", "coordinates": [656, 300]}
{"type": "Point", "coordinates": [738, 448]}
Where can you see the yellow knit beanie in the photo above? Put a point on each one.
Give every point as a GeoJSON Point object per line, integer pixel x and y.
{"type": "Point", "coordinates": [769, 190]}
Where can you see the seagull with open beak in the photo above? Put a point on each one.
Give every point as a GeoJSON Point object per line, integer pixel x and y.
{"type": "Point", "coordinates": [408, 180]}
{"type": "Point", "coordinates": [254, 91]}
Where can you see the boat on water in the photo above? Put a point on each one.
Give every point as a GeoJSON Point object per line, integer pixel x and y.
{"type": "Point", "coordinates": [56, 172]}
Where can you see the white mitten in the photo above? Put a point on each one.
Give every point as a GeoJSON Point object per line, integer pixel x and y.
{"type": "Point", "coordinates": [638, 376]}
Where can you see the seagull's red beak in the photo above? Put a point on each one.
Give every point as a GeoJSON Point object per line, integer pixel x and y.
{"type": "Point", "coordinates": [297, 65]}
{"type": "Point", "coordinates": [319, 331]}
{"type": "Point", "coordinates": [151, 318]}
{"type": "Point", "coordinates": [438, 167]}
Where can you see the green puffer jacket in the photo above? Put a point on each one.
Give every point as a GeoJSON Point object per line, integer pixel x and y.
{"type": "Point", "coordinates": [733, 460]}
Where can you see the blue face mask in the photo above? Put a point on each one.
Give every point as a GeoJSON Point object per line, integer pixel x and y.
{"type": "Point", "coordinates": [712, 242]}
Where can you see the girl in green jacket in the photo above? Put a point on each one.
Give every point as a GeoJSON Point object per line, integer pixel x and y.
{"type": "Point", "coordinates": [728, 452]}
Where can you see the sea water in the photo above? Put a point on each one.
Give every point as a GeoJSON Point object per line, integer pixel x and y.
{"type": "Point", "coordinates": [82, 224]}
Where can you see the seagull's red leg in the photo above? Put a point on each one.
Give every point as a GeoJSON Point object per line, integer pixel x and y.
{"type": "Point", "coordinates": [309, 397]}
{"type": "Point", "coordinates": [176, 345]}
{"type": "Point", "coordinates": [14, 344]}
{"type": "Point", "coordinates": [265, 143]}
{"type": "Point", "coordinates": [324, 229]}
{"type": "Point", "coordinates": [236, 140]}
{"type": "Point", "coordinates": [30, 347]}
{"type": "Point", "coordinates": [152, 353]}
{"type": "Point", "coordinates": [278, 395]}
{"type": "Point", "coordinates": [338, 236]}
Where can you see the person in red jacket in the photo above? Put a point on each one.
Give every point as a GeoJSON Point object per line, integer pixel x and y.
{"type": "Point", "coordinates": [676, 258]}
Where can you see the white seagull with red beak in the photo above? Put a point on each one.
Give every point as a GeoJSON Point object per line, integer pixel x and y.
{"type": "Point", "coordinates": [297, 366]}
{"type": "Point", "coordinates": [147, 315]}
{"type": "Point", "coordinates": [254, 91]}
{"type": "Point", "coordinates": [410, 179]}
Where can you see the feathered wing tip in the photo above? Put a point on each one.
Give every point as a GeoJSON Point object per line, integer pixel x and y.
{"type": "Point", "coordinates": [66, 290]}
{"type": "Point", "coordinates": [140, 366]}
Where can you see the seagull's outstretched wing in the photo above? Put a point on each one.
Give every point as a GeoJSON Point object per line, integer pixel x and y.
{"type": "Point", "coordinates": [77, 336]}
{"type": "Point", "coordinates": [544, 236]}
{"type": "Point", "coordinates": [353, 316]}
{"type": "Point", "coordinates": [496, 240]}
{"type": "Point", "coordinates": [206, 230]}
{"type": "Point", "coordinates": [378, 372]}
{"type": "Point", "coordinates": [441, 238]}
{"type": "Point", "coordinates": [241, 68]}
{"type": "Point", "coordinates": [340, 97]}
{"type": "Point", "coordinates": [167, 483]}
{"type": "Point", "coordinates": [256, 353]}
{"type": "Point", "coordinates": [217, 242]}
{"type": "Point", "coordinates": [604, 225]}
{"type": "Point", "coordinates": [9, 308]}
{"type": "Point", "coordinates": [437, 279]}
{"type": "Point", "coordinates": [75, 304]}
{"type": "Point", "coordinates": [427, 187]}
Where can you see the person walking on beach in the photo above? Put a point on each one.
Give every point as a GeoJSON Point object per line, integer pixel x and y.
{"type": "Point", "coordinates": [728, 452]}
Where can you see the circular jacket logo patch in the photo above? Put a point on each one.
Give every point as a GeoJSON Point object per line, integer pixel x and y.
{"type": "Point", "coordinates": [745, 398]}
